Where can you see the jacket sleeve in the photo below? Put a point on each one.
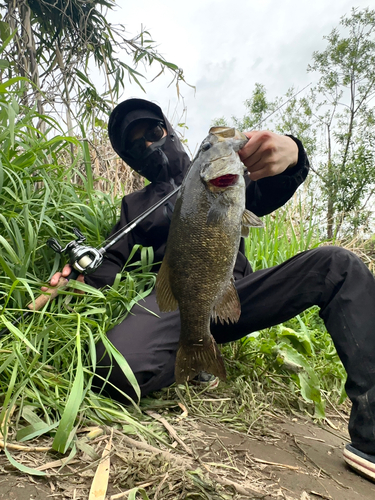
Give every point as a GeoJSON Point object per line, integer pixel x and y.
{"type": "Point", "coordinates": [114, 259]}
{"type": "Point", "coordinates": [267, 194]}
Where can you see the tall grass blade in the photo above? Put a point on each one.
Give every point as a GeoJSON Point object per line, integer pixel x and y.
{"type": "Point", "coordinates": [64, 433]}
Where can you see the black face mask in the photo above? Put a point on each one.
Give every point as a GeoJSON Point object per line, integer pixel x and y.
{"type": "Point", "coordinates": [152, 162]}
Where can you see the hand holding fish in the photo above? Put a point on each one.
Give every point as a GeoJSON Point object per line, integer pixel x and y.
{"type": "Point", "coordinates": [267, 154]}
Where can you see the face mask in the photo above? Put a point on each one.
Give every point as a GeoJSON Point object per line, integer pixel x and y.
{"type": "Point", "coordinates": [152, 162]}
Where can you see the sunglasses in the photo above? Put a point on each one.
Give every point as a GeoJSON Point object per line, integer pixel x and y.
{"type": "Point", "coordinates": [153, 134]}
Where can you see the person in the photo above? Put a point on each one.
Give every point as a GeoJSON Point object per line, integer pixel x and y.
{"type": "Point", "coordinates": [330, 277]}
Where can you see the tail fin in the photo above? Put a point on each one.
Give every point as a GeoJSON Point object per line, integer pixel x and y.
{"type": "Point", "coordinates": [192, 359]}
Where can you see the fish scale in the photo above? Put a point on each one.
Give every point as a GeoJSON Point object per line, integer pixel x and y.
{"type": "Point", "coordinates": [196, 274]}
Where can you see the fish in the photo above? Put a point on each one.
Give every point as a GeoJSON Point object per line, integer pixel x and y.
{"type": "Point", "coordinates": [196, 274]}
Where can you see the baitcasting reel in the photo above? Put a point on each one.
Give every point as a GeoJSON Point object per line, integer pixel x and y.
{"type": "Point", "coordinates": [82, 258]}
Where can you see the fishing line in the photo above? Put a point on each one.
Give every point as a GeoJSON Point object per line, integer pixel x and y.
{"type": "Point", "coordinates": [281, 105]}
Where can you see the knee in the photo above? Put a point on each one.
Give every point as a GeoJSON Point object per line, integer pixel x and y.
{"type": "Point", "coordinates": [339, 257]}
{"type": "Point", "coordinates": [340, 266]}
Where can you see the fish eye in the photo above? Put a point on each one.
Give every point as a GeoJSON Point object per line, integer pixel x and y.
{"type": "Point", "coordinates": [206, 146]}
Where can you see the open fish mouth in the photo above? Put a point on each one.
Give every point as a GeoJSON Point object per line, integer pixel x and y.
{"type": "Point", "coordinates": [224, 180]}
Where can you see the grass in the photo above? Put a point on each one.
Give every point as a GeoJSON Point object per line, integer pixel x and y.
{"type": "Point", "coordinates": [299, 353]}
{"type": "Point", "coordinates": [47, 362]}
{"type": "Point", "coordinates": [286, 232]}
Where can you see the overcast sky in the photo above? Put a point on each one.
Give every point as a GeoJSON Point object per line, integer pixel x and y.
{"type": "Point", "coordinates": [226, 47]}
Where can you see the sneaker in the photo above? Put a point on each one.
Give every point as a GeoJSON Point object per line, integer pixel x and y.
{"type": "Point", "coordinates": [361, 462]}
{"type": "Point", "coordinates": [205, 379]}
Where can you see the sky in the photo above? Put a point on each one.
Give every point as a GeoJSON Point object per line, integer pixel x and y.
{"type": "Point", "coordinates": [224, 48]}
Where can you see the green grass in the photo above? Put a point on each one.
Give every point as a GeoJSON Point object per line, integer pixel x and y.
{"type": "Point", "coordinates": [286, 232]}
{"type": "Point", "coordinates": [299, 353]}
{"type": "Point", "coordinates": [47, 362]}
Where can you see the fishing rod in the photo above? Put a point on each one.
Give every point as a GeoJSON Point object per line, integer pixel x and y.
{"type": "Point", "coordinates": [83, 259]}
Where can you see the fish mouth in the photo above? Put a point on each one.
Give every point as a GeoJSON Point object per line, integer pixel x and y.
{"type": "Point", "coordinates": [224, 181]}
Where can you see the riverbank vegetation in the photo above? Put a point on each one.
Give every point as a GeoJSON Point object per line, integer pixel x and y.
{"type": "Point", "coordinates": [52, 180]}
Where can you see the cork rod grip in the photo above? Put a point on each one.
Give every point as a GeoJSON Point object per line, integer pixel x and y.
{"type": "Point", "coordinates": [48, 295]}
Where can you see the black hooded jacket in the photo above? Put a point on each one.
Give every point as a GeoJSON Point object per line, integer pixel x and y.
{"type": "Point", "coordinates": [262, 197]}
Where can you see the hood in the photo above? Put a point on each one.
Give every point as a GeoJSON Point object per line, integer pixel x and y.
{"type": "Point", "coordinates": [175, 167]}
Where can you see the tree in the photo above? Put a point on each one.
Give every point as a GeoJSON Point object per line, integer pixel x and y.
{"type": "Point", "coordinates": [335, 121]}
{"type": "Point", "coordinates": [54, 42]}
{"type": "Point", "coordinates": [346, 88]}
{"type": "Point", "coordinates": [257, 109]}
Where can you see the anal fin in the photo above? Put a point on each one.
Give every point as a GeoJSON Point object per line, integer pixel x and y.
{"type": "Point", "coordinates": [228, 307]}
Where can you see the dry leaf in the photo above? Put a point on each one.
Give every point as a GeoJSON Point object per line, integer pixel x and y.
{"type": "Point", "coordinates": [99, 484]}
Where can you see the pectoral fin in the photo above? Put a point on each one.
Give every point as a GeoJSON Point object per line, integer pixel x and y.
{"type": "Point", "coordinates": [228, 307]}
{"type": "Point", "coordinates": [249, 220]}
{"type": "Point", "coordinates": [164, 295]}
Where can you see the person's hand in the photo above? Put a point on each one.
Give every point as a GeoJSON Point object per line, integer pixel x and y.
{"type": "Point", "coordinates": [63, 274]}
{"type": "Point", "coordinates": [267, 154]}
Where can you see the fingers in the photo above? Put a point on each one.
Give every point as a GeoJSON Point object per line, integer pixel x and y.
{"type": "Point", "coordinates": [63, 274]}
{"type": "Point", "coordinates": [54, 280]}
{"type": "Point", "coordinates": [267, 154]}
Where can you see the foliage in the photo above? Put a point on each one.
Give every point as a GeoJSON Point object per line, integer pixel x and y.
{"type": "Point", "coordinates": [47, 361]}
{"type": "Point", "coordinates": [55, 45]}
{"type": "Point", "coordinates": [299, 351]}
{"type": "Point", "coordinates": [346, 88]}
{"type": "Point", "coordinates": [335, 121]}
{"type": "Point", "coordinates": [38, 198]}
{"type": "Point", "coordinates": [50, 359]}
{"type": "Point", "coordinates": [286, 232]}
{"type": "Point", "coordinates": [257, 109]}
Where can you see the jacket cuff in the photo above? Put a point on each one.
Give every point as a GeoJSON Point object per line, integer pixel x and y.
{"type": "Point", "coordinates": [300, 170]}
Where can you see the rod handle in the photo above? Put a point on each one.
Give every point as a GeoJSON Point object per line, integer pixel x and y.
{"type": "Point", "coordinates": [48, 295]}
{"type": "Point", "coordinates": [51, 293]}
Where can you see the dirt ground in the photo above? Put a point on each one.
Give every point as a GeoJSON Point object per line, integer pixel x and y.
{"type": "Point", "coordinates": [301, 461]}
{"type": "Point", "coordinates": [291, 459]}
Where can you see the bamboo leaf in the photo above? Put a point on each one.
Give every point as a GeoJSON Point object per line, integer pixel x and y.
{"type": "Point", "coordinates": [99, 484]}
{"type": "Point", "coordinates": [34, 430]}
{"type": "Point", "coordinates": [86, 288]}
{"type": "Point", "coordinates": [7, 269]}
{"type": "Point", "coordinates": [13, 329]}
{"type": "Point", "coordinates": [123, 364]}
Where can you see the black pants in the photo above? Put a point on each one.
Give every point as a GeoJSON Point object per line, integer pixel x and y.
{"type": "Point", "coordinates": [330, 277]}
